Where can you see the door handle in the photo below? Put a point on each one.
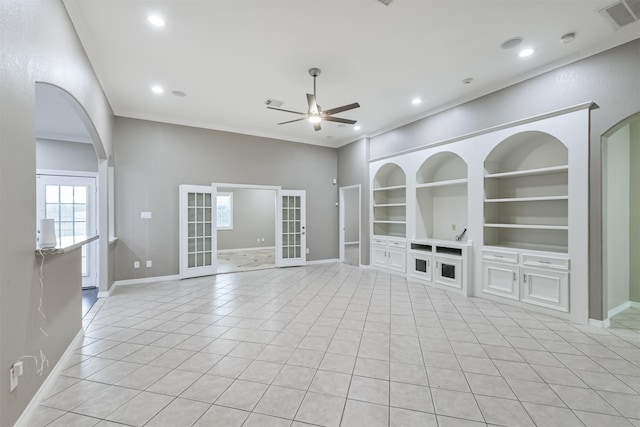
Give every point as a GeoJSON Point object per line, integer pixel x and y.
{"type": "Point", "coordinates": [514, 276]}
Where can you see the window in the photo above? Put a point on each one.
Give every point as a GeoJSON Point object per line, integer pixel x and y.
{"type": "Point", "coordinates": [224, 211]}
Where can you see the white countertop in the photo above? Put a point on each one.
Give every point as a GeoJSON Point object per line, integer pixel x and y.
{"type": "Point", "coordinates": [66, 249]}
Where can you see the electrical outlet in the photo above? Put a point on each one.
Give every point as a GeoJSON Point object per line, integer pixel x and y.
{"type": "Point", "coordinates": [307, 250]}
{"type": "Point", "coordinates": [453, 227]}
{"type": "Point", "coordinates": [262, 240]}
{"type": "Point", "coordinates": [149, 264]}
{"type": "Point", "coordinates": [258, 240]}
{"type": "Point", "coordinates": [136, 264]}
{"type": "Point", "coordinates": [145, 215]}
{"type": "Point", "coordinates": [15, 371]}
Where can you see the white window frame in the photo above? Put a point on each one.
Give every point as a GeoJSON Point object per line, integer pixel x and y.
{"type": "Point", "coordinates": [230, 196]}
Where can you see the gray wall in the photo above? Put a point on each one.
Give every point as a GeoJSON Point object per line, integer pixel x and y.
{"type": "Point", "coordinates": [66, 156]}
{"type": "Point", "coordinates": [39, 44]}
{"type": "Point", "coordinates": [353, 169]}
{"type": "Point", "coordinates": [610, 79]}
{"type": "Point", "coordinates": [152, 159]}
{"type": "Point", "coordinates": [254, 216]}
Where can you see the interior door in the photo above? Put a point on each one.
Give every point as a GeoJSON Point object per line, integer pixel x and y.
{"type": "Point", "coordinates": [350, 225]}
{"type": "Point", "coordinates": [197, 231]}
{"type": "Point", "coordinates": [71, 202]}
{"type": "Point", "coordinates": [292, 236]}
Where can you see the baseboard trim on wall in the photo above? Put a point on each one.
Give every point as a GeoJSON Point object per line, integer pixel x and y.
{"type": "Point", "coordinates": [107, 293]}
{"type": "Point", "coordinates": [619, 309]}
{"type": "Point", "coordinates": [48, 383]}
{"type": "Point", "coordinates": [323, 261]}
{"type": "Point", "coordinates": [634, 304]}
{"type": "Point", "coordinates": [223, 251]}
{"type": "Point", "coordinates": [599, 323]}
{"type": "Point", "coordinates": [144, 280]}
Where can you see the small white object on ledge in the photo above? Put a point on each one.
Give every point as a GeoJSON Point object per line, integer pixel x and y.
{"type": "Point", "coordinates": [47, 237]}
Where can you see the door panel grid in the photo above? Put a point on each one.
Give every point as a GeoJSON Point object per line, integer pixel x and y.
{"type": "Point", "coordinates": [199, 250]}
{"type": "Point", "coordinates": [291, 227]}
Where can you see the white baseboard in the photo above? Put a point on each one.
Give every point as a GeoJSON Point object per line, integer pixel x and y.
{"type": "Point", "coordinates": [143, 280]}
{"type": "Point", "coordinates": [223, 251]}
{"type": "Point", "coordinates": [48, 383]}
{"type": "Point", "coordinates": [599, 323]}
{"type": "Point", "coordinates": [634, 304]}
{"type": "Point", "coordinates": [323, 261]}
{"type": "Point", "coordinates": [619, 309]}
{"type": "Point", "coordinates": [107, 293]}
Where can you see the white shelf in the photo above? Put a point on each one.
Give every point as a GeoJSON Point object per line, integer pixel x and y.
{"type": "Point", "coordinates": [395, 187]}
{"type": "Point", "coordinates": [526, 199]}
{"type": "Point", "coordinates": [388, 222]}
{"type": "Point", "coordinates": [446, 183]}
{"type": "Point", "coordinates": [529, 172]}
{"type": "Point", "coordinates": [529, 246]}
{"type": "Point", "coordinates": [389, 205]}
{"type": "Point", "coordinates": [529, 226]}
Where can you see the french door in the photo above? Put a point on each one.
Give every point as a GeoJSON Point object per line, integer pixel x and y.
{"type": "Point", "coordinates": [71, 202]}
{"type": "Point", "coordinates": [197, 230]}
{"type": "Point", "coordinates": [292, 236]}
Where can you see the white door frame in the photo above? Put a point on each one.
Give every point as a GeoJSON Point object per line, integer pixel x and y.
{"type": "Point", "coordinates": [276, 189]}
{"type": "Point", "coordinates": [342, 221]}
{"type": "Point", "coordinates": [94, 255]}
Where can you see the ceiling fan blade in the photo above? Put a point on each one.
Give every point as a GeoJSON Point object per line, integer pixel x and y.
{"type": "Point", "coordinates": [286, 111]}
{"type": "Point", "coordinates": [316, 126]}
{"type": "Point", "coordinates": [290, 121]}
{"type": "Point", "coordinates": [339, 120]}
{"type": "Point", "coordinates": [341, 109]}
{"type": "Point", "coordinates": [313, 107]}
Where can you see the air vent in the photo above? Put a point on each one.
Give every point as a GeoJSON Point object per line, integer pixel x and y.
{"type": "Point", "coordinates": [273, 102]}
{"type": "Point", "coordinates": [623, 12]}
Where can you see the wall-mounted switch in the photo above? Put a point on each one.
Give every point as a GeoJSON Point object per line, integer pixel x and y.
{"type": "Point", "coordinates": [258, 240]}
{"type": "Point", "coordinates": [453, 227]}
{"type": "Point", "coordinates": [149, 264]}
{"type": "Point", "coordinates": [136, 264]}
{"type": "Point", "coordinates": [145, 215]}
{"type": "Point", "coordinates": [15, 371]}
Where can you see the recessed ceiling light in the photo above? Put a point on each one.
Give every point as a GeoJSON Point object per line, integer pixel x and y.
{"type": "Point", "coordinates": [511, 43]}
{"type": "Point", "coordinates": [157, 89]}
{"type": "Point", "coordinates": [416, 101]}
{"type": "Point", "coordinates": [526, 52]}
{"type": "Point", "coordinates": [156, 20]}
{"type": "Point", "coordinates": [356, 127]}
{"type": "Point", "coordinates": [468, 80]}
{"type": "Point", "coordinates": [568, 38]}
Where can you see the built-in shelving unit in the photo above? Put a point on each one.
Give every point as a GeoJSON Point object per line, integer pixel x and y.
{"type": "Point", "coordinates": [526, 193]}
{"type": "Point", "coordinates": [441, 197]}
{"type": "Point", "coordinates": [390, 202]}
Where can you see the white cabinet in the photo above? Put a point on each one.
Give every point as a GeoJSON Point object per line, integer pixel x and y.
{"type": "Point", "coordinates": [389, 255]}
{"type": "Point", "coordinates": [501, 279]}
{"type": "Point", "coordinates": [546, 288]}
{"type": "Point", "coordinates": [441, 263]}
{"type": "Point", "coordinates": [511, 275]}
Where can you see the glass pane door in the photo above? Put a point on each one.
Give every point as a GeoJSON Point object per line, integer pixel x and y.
{"type": "Point", "coordinates": [293, 228]}
{"type": "Point", "coordinates": [197, 231]}
{"type": "Point", "coordinates": [70, 202]}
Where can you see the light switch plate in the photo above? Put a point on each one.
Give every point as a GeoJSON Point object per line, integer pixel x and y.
{"type": "Point", "coordinates": [145, 215]}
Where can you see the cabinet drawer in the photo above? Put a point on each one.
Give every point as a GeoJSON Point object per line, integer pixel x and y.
{"type": "Point", "coordinates": [381, 242]}
{"type": "Point", "coordinates": [502, 256]}
{"type": "Point", "coordinates": [545, 261]}
{"type": "Point", "coordinates": [400, 245]}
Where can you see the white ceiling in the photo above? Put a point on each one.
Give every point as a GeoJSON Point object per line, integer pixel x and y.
{"type": "Point", "coordinates": [230, 56]}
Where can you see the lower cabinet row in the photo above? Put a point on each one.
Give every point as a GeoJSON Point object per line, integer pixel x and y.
{"type": "Point", "coordinates": [537, 280]}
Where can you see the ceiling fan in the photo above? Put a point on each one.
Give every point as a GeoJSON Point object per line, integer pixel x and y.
{"type": "Point", "coordinates": [315, 114]}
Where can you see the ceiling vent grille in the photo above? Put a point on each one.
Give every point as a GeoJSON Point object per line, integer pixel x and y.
{"type": "Point", "coordinates": [623, 12]}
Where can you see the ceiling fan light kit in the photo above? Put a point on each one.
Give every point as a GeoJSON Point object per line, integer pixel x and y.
{"type": "Point", "coordinates": [314, 113]}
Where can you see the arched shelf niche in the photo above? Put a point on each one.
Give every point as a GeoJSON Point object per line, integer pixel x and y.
{"type": "Point", "coordinates": [390, 201]}
{"type": "Point", "coordinates": [441, 197]}
{"type": "Point", "coordinates": [526, 193]}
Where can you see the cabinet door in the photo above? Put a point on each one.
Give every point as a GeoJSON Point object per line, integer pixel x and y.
{"type": "Point", "coordinates": [448, 271]}
{"type": "Point", "coordinates": [501, 279]}
{"type": "Point", "coordinates": [379, 256]}
{"type": "Point", "coordinates": [397, 259]}
{"type": "Point", "coordinates": [546, 288]}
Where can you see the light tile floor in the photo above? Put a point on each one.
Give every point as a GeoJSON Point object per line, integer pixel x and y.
{"type": "Point", "coordinates": [335, 345]}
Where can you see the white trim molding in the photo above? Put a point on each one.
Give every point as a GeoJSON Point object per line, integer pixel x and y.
{"type": "Point", "coordinates": [144, 280]}
{"type": "Point", "coordinates": [323, 261]}
{"type": "Point", "coordinates": [48, 383]}
{"type": "Point", "coordinates": [619, 309]}
{"type": "Point", "coordinates": [599, 323]}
